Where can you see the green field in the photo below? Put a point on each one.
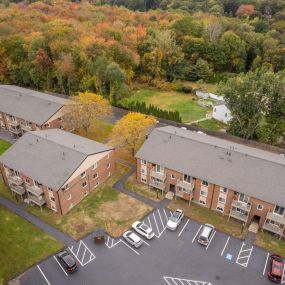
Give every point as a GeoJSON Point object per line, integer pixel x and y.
{"type": "Point", "coordinates": [185, 104]}
{"type": "Point", "coordinates": [21, 245]}
{"type": "Point", "coordinates": [4, 146]}
{"type": "Point", "coordinates": [212, 125]}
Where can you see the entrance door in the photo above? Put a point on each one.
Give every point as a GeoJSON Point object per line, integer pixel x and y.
{"type": "Point", "coordinates": [172, 188]}
{"type": "Point", "coordinates": [256, 219]}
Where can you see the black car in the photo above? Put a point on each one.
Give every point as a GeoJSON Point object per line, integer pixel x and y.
{"type": "Point", "coordinates": [67, 261]}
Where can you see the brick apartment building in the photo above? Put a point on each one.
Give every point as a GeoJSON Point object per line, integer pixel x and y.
{"type": "Point", "coordinates": [23, 110]}
{"type": "Point", "coordinates": [242, 182]}
{"type": "Point", "coordinates": [56, 168]}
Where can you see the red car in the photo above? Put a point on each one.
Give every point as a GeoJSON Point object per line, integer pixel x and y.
{"type": "Point", "coordinates": [276, 268]}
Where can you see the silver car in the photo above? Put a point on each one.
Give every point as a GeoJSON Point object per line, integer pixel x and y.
{"type": "Point", "coordinates": [133, 239]}
{"type": "Point", "coordinates": [175, 220]}
{"type": "Point", "coordinates": [143, 229]}
{"type": "Point", "coordinates": [206, 234]}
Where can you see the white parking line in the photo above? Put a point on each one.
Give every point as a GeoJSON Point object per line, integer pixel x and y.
{"type": "Point", "coordinates": [43, 275]}
{"type": "Point", "coordinates": [183, 228]}
{"type": "Point", "coordinates": [245, 257]}
{"type": "Point", "coordinates": [265, 265]}
{"type": "Point", "coordinates": [60, 265]}
{"type": "Point", "coordinates": [225, 246]}
{"type": "Point", "coordinates": [181, 281]}
{"type": "Point", "coordinates": [145, 242]}
{"type": "Point", "coordinates": [86, 249]}
{"type": "Point", "coordinates": [160, 218]}
{"type": "Point", "coordinates": [155, 222]}
{"type": "Point", "coordinates": [130, 247]}
{"type": "Point", "coordinates": [210, 240]}
{"type": "Point", "coordinates": [196, 234]}
{"type": "Point", "coordinates": [166, 216]}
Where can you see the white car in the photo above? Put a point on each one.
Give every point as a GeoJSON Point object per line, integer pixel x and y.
{"type": "Point", "coordinates": [175, 220]}
{"type": "Point", "coordinates": [133, 239]}
{"type": "Point", "coordinates": [143, 229]}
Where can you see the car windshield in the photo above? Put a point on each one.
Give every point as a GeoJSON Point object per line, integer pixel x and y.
{"type": "Point", "coordinates": [175, 216]}
{"type": "Point", "coordinates": [69, 260]}
{"type": "Point", "coordinates": [144, 227]}
{"type": "Point", "coordinates": [277, 268]}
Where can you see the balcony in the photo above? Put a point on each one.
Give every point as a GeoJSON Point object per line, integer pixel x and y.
{"type": "Point", "coordinates": [241, 205]}
{"type": "Point", "coordinates": [15, 180]}
{"type": "Point", "coordinates": [18, 189]}
{"type": "Point", "coordinates": [34, 190]}
{"type": "Point", "coordinates": [276, 229]}
{"type": "Point", "coordinates": [15, 131]}
{"type": "Point", "coordinates": [239, 215]}
{"type": "Point", "coordinates": [158, 175]}
{"type": "Point", "coordinates": [26, 128]}
{"type": "Point", "coordinates": [13, 123]}
{"type": "Point", "coordinates": [183, 184]}
{"type": "Point", "coordinates": [276, 218]}
{"type": "Point", "coordinates": [37, 200]}
{"type": "Point", "coordinates": [156, 184]}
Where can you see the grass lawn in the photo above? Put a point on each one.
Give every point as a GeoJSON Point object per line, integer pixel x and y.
{"type": "Point", "coordinates": [105, 207]}
{"type": "Point", "coordinates": [205, 215]}
{"type": "Point", "coordinates": [99, 131]}
{"type": "Point", "coordinates": [21, 245]}
{"type": "Point", "coordinates": [212, 125]}
{"type": "Point", "coordinates": [188, 108]}
{"type": "Point", "coordinates": [132, 185]}
{"type": "Point", "coordinates": [270, 242]}
{"type": "Point", "coordinates": [4, 146]}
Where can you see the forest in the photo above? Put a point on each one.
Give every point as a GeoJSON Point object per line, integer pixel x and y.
{"type": "Point", "coordinates": [108, 46]}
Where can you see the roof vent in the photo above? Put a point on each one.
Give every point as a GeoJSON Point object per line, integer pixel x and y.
{"type": "Point", "coordinates": [63, 153]}
{"type": "Point", "coordinates": [183, 128]}
{"type": "Point", "coordinates": [37, 140]}
{"type": "Point", "coordinates": [74, 146]}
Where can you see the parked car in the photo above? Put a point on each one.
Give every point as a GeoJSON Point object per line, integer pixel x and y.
{"type": "Point", "coordinates": [67, 261]}
{"type": "Point", "coordinates": [206, 234]}
{"type": "Point", "coordinates": [143, 229]}
{"type": "Point", "coordinates": [175, 220]}
{"type": "Point", "coordinates": [133, 239]}
{"type": "Point", "coordinates": [276, 268]}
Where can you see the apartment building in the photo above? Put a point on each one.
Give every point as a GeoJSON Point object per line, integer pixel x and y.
{"type": "Point", "coordinates": [23, 110]}
{"type": "Point", "coordinates": [55, 168]}
{"type": "Point", "coordinates": [242, 182]}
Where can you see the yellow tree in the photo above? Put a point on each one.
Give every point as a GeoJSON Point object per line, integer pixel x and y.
{"type": "Point", "coordinates": [130, 131]}
{"type": "Point", "coordinates": [85, 109]}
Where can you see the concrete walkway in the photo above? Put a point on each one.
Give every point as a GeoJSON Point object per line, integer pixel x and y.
{"type": "Point", "coordinates": [6, 136]}
{"type": "Point", "coordinates": [20, 211]}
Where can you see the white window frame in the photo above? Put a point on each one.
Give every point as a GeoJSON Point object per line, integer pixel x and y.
{"type": "Point", "coordinates": [188, 177]}
{"type": "Point", "coordinates": [220, 209]}
{"type": "Point", "coordinates": [224, 190]}
{"type": "Point", "coordinates": [36, 184]}
{"type": "Point", "coordinates": [69, 196]}
{"type": "Point", "coordinates": [243, 196]}
{"type": "Point", "coordinates": [95, 174]}
{"type": "Point", "coordinates": [172, 176]}
{"type": "Point", "coordinates": [95, 165]}
{"type": "Point", "coordinates": [276, 213]}
{"type": "Point", "coordinates": [203, 194]}
{"type": "Point", "coordinates": [143, 161]}
{"type": "Point", "coordinates": [108, 165]}
{"type": "Point", "coordinates": [86, 183]}
{"type": "Point", "coordinates": [259, 207]}
{"type": "Point", "coordinates": [202, 202]}
{"type": "Point", "coordinates": [205, 183]}
{"type": "Point", "coordinates": [83, 174]}
{"type": "Point", "coordinates": [51, 199]}
{"type": "Point", "coordinates": [222, 202]}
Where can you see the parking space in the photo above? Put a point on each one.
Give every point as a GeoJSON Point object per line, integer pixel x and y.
{"type": "Point", "coordinates": [171, 258]}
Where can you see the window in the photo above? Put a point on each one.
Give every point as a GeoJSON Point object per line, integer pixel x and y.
{"type": "Point", "coordinates": [143, 171]}
{"type": "Point", "coordinates": [53, 207]}
{"type": "Point", "coordinates": [259, 207]}
{"type": "Point", "coordinates": [279, 210]}
{"type": "Point", "coordinates": [226, 115]}
{"type": "Point", "coordinates": [243, 198]}
{"type": "Point", "coordinates": [96, 184]}
{"type": "Point", "coordinates": [46, 125]}
{"type": "Point", "coordinates": [95, 176]}
{"type": "Point", "coordinates": [95, 165]}
{"type": "Point", "coordinates": [172, 176]}
{"type": "Point", "coordinates": [143, 162]}
{"type": "Point", "coordinates": [28, 180]}
{"type": "Point", "coordinates": [65, 187]}
{"type": "Point", "coordinates": [84, 184]}
{"type": "Point", "coordinates": [222, 200]}
{"type": "Point", "coordinates": [17, 173]}
{"type": "Point", "coordinates": [202, 202]}
{"type": "Point", "coordinates": [220, 209]}
{"type": "Point", "coordinates": [60, 119]}
{"type": "Point", "coordinates": [83, 174]}
{"type": "Point", "coordinates": [187, 178]}
{"type": "Point", "coordinates": [186, 190]}
{"type": "Point", "coordinates": [143, 180]}
{"type": "Point", "coordinates": [205, 183]}
{"type": "Point", "coordinates": [108, 165]}
{"type": "Point", "coordinates": [223, 189]}
{"type": "Point", "coordinates": [108, 156]}
{"type": "Point", "coordinates": [37, 184]}
{"type": "Point", "coordinates": [61, 127]}
{"type": "Point", "coordinates": [49, 189]}
{"type": "Point", "coordinates": [158, 168]}
{"type": "Point", "coordinates": [69, 196]}
{"type": "Point", "coordinates": [52, 199]}
{"type": "Point", "coordinates": [203, 193]}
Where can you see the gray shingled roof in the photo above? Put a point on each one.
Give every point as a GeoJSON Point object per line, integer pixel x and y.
{"type": "Point", "coordinates": [248, 170]}
{"type": "Point", "coordinates": [50, 156]}
{"type": "Point", "coordinates": [33, 106]}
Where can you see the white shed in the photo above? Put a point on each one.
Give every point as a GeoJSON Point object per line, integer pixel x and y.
{"type": "Point", "coordinates": [221, 112]}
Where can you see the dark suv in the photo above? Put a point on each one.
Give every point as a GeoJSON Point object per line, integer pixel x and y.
{"type": "Point", "coordinates": [67, 261]}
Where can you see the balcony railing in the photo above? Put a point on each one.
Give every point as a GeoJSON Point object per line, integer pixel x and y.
{"type": "Point", "coordinates": [241, 205]}
{"type": "Point", "coordinates": [158, 175]}
{"type": "Point", "coordinates": [183, 184]}
{"type": "Point", "coordinates": [273, 228]}
{"type": "Point", "coordinates": [275, 217]}
{"type": "Point", "coordinates": [156, 184]}
{"type": "Point", "coordinates": [26, 127]}
{"type": "Point", "coordinates": [37, 200]}
{"type": "Point", "coordinates": [15, 131]}
{"type": "Point", "coordinates": [16, 180]}
{"type": "Point", "coordinates": [13, 123]}
{"type": "Point", "coordinates": [18, 189]}
{"type": "Point", "coordinates": [239, 216]}
{"type": "Point", "coordinates": [34, 190]}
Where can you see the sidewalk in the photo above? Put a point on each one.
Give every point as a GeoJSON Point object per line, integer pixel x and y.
{"type": "Point", "coordinates": [20, 211]}
{"type": "Point", "coordinates": [6, 136]}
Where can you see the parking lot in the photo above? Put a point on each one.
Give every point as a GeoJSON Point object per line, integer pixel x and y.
{"type": "Point", "coordinates": [171, 258]}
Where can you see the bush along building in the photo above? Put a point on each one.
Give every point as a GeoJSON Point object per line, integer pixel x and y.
{"type": "Point", "coordinates": [23, 110]}
{"type": "Point", "coordinates": [55, 168]}
{"type": "Point", "coordinates": [242, 182]}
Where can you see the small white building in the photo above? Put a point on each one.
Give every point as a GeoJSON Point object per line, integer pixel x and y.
{"type": "Point", "coordinates": [221, 112]}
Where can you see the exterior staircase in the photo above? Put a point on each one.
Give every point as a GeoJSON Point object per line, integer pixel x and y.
{"type": "Point", "coordinates": [169, 195]}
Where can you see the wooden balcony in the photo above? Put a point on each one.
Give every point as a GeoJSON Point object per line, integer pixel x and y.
{"type": "Point", "coordinates": [276, 218]}
{"type": "Point", "coordinates": [34, 190]}
{"type": "Point", "coordinates": [239, 215]}
{"type": "Point", "coordinates": [13, 123]}
{"type": "Point", "coordinates": [276, 229]}
{"type": "Point", "coordinates": [20, 190]}
{"type": "Point", "coordinates": [156, 184]}
{"type": "Point", "coordinates": [15, 131]}
{"type": "Point", "coordinates": [15, 180]}
{"type": "Point", "coordinates": [241, 205]}
{"type": "Point", "coordinates": [26, 128]}
{"type": "Point", "coordinates": [159, 175]}
{"type": "Point", "coordinates": [184, 185]}
{"type": "Point", "coordinates": [40, 200]}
